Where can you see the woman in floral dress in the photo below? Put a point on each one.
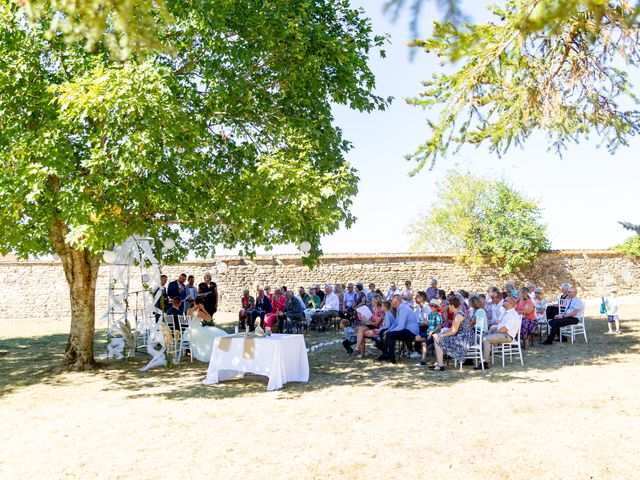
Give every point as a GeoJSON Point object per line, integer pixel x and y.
{"type": "Point", "coordinates": [527, 309]}
{"type": "Point", "coordinates": [455, 342]}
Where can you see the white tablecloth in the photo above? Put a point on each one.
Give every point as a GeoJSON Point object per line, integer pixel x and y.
{"type": "Point", "coordinates": [283, 358]}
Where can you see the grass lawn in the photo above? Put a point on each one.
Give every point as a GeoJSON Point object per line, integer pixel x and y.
{"type": "Point", "coordinates": [573, 411]}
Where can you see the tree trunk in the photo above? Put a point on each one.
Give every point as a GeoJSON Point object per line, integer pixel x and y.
{"type": "Point", "coordinates": [81, 270]}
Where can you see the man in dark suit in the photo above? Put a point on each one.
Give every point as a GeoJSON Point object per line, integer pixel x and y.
{"type": "Point", "coordinates": [163, 301]}
{"type": "Point", "coordinates": [177, 288]}
{"type": "Point", "coordinates": [171, 315]}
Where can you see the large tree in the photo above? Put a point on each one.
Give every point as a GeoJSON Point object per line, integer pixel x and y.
{"type": "Point", "coordinates": [222, 135]}
{"type": "Point", "coordinates": [484, 221]}
{"type": "Point", "coordinates": [561, 67]}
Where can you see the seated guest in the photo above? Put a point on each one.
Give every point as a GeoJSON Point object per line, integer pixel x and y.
{"type": "Point", "coordinates": [360, 299]}
{"type": "Point", "coordinates": [504, 332]}
{"type": "Point", "coordinates": [263, 307]}
{"type": "Point", "coordinates": [571, 316]}
{"type": "Point", "coordinates": [267, 293]}
{"type": "Point", "coordinates": [371, 327]}
{"type": "Point", "coordinates": [432, 291]}
{"type": "Point", "coordinates": [407, 293]}
{"type": "Point", "coordinates": [404, 328]}
{"type": "Point", "coordinates": [172, 313]}
{"type": "Point", "coordinates": [349, 301]}
{"type": "Point", "coordinates": [422, 309]}
{"type": "Point", "coordinates": [527, 309]}
{"type": "Point", "coordinates": [312, 305]}
{"type": "Point", "coordinates": [510, 288]}
{"type": "Point", "coordinates": [434, 324]}
{"type": "Point", "coordinates": [319, 292]}
{"type": "Point", "coordinates": [478, 313]}
{"type": "Point", "coordinates": [304, 296]}
{"type": "Point", "coordinates": [329, 309]}
{"type": "Point", "coordinates": [293, 313]}
{"type": "Point", "coordinates": [495, 308]}
{"type": "Point", "coordinates": [371, 293]}
{"type": "Point", "coordinates": [554, 309]}
{"type": "Point", "coordinates": [278, 304]}
{"type": "Point", "coordinates": [245, 316]}
{"type": "Point", "coordinates": [541, 305]}
{"type": "Point", "coordinates": [457, 340]}
{"type": "Point", "coordinates": [391, 291]}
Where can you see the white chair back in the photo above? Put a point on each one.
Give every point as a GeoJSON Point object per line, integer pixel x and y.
{"type": "Point", "coordinates": [562, 304]}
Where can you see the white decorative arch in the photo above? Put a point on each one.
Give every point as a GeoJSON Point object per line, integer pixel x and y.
{"type": "Point", "coordinates": [134, 277]}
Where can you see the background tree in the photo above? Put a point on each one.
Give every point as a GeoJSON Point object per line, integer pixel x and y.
{"type": "Point", "coordinates": [631, 246]}
{"type": "Point", "coordinates": [224, 135]}
{"type": "Point", "coordinates": [485, 222]}
{"type": "Point", "coordinates": [557, 66]}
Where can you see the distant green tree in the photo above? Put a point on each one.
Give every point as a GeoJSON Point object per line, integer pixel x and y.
{"type": "Point", "coordinates": [631, 246]}
{"type": "Point", "coordinates": [224, 135]}
{"type": "Point", "coordinates": [485, 222]}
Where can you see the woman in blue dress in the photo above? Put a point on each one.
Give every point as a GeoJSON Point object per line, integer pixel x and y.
{"type": "Point", "coordinates": [457, 340]}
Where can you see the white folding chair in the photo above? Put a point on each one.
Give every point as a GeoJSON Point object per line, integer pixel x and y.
{"type": "Point", "coordinates": [509, 348]}
{"type": "Point", "coordinates": [475, 351]}
{"type": "Point", "coordinates": [185, 336]}
{"type": "Point", "coordinates": [571, 331]}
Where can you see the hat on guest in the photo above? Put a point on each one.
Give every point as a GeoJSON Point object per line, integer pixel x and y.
{"type": "Point", "coordinates": [434, 303]}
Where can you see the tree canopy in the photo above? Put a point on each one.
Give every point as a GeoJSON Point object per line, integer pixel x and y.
{"type": "Point", "coordinates": [485, 222]}
{"type": "Point", "coordinates": [561, 67]}
{"type": "Point", "coordinates": [222, 135]}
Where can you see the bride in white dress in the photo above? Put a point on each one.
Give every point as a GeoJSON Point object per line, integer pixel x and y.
{"type": "Point", "coordinates": [202, 337]}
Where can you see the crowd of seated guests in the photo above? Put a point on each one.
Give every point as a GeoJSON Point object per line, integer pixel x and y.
{"type": "Point", "coordinates": [420, 320]}
{"type": "Point", "coordinates": [447, 322]}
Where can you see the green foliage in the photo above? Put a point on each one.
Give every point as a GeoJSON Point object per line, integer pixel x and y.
{"type": "Point", "coordinates": [560, 67]}
{"type": "Point", "coordinates": [485, 222]}
{"type": "Point", "coordinates": [631, 246]}
{"type": "Point", "coordinates": [224, 135]}
{"type": "Point", "coordinates": [122, 26]}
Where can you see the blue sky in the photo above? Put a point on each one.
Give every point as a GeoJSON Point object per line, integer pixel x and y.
{"type": "Point", "coordinates": [583, 195]}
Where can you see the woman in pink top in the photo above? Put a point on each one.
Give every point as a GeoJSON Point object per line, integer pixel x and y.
{"type": "Point", "coordinates": [527, 309]}
{"type": "Point", "coordinates": [279, 301]}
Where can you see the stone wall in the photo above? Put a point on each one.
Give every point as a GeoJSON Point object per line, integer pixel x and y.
{"type": "Point", "coordinates": [39, 288]}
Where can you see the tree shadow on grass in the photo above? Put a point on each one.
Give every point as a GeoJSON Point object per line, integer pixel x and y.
{"type": "Point", "coordinates": [36, 360]}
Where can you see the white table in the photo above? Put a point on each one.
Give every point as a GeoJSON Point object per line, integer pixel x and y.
{"type": "Point", "coordinates": [283, 358]}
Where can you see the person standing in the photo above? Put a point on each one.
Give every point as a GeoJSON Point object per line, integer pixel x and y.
{"type": "Point", "coordinates": [407, 293]}
{"type": "Point", "coordinates": [612, 305]}
{"type": "Point", "coordinates": [432, 291]}
{"type": "Point", "coordinates": [190, 294]}
{"type": "Point", "coordinates": [176, 288]}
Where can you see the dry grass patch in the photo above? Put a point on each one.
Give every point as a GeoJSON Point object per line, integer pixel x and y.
{"type": "Point", "coordinates": [572, 412]}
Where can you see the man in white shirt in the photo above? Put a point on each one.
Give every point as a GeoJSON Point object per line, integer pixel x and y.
{"type": "Point", "coordinates": [391, 291]}
{"type": "Point", "coordinates": [495, 309]}
{"type": "Point", "coordinates": [571, 316]}
{"type": "Point", "coordinates": [330, 308]}
{"type": "Point", "coordinates": [504, 332]}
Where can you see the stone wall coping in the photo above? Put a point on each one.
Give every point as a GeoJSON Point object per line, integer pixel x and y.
{"type": "Point", "coordinates": [269, 258]}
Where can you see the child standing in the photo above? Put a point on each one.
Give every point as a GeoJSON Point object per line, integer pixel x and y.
{"type": "Point", "coordinates": [612, 304]}
{"type": "Point", "coordinates": [349, 334]}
